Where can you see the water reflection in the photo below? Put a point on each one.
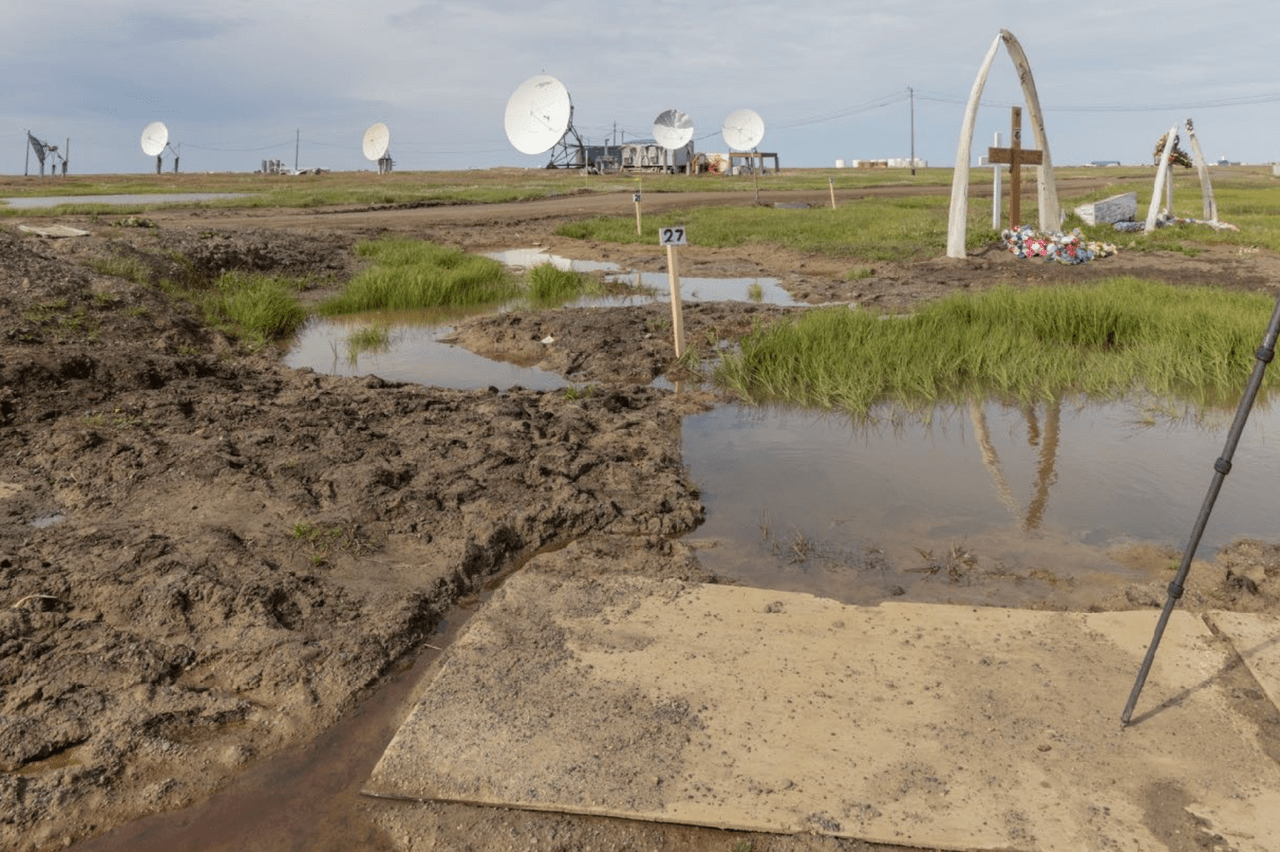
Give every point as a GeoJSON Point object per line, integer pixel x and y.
{"type": "Point", "coordinates": [759, 290]}
{"type": "Point", "coordinates": [897, 489]}
{"type": "Point", "coordinates": [1045, 470]}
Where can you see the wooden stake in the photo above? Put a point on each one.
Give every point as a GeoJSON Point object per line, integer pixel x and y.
{"type": "Point", "coordinates": [677, 312]}
{"type": "Point", "coordinates": [831, 182]}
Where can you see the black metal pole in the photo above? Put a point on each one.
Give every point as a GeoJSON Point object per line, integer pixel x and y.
{"type": "Point", "coordinates": [1221, 468]}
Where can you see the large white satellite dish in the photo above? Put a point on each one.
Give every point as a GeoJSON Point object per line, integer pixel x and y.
{"type": "Point", "coordinates": [376, 141]}
{"type": "Point", "coordinates": [154, 137]}
{"type": "Point", "coordinates": [538, 114]}
{"type": "Point", "coordinates": [673, 129]}
{"type": "Point", "coordinates": [742, 130]}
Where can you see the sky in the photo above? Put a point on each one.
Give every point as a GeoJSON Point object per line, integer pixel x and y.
{"type": "Point", "coordinates": [241, 81]}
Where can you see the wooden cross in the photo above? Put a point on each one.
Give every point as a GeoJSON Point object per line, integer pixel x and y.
{"type": "Point", "coordinates": [1016, 156]}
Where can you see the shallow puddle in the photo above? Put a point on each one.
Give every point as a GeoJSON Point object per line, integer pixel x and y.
{"type": "Point", "coordinates": [33, 202]}
{"type": "Point", "coordinates": [415, 353]}
{"type": "Point", "coordinates": [811, 502]}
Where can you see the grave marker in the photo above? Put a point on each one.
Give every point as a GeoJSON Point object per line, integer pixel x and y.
{"type": "Point", "coordinates": [1015, 156]}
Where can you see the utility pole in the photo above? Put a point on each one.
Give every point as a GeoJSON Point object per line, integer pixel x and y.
{"type": "Point", "coordinates": [912, 93]}
{"type": "Point", "coordinates": [297, 141]}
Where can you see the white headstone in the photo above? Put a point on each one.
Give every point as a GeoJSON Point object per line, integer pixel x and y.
{"type": "Point", "coordinates": [1117, 208]}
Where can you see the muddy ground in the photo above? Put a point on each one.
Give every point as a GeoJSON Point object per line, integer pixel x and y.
{"type": "Point", "coordinates": [207, 559]}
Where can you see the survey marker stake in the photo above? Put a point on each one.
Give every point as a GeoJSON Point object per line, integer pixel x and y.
{"type": "Point", "coordinates": [673, 238]}
{"type": "Point", "coordinates": [1221, 468]}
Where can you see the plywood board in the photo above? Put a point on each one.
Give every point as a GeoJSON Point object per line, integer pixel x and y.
{"type": "Point", "coordinates": [939, 726]}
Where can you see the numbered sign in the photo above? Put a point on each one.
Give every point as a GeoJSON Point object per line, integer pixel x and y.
{"type": "Point", "coordinates": [636, 197]}
{"type": "Point", "coordinates": [673, 237]}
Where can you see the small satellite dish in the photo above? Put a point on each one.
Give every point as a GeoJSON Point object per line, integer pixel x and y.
{"type": "Point", "coordinates": [538, 114]}
{"type": "Point", "coordinates": [742, 130]}
{"type": "Point", "coordinates": [154, 137]}
{"type": "Point", "coordinates": [376, 141]}
{"type": "Point", "coordinates": [673, 129]}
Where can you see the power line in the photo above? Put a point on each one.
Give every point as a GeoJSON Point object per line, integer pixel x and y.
{"type": "Point", "coordinates": [1220, 103]}
{"type": "Point", "coordinates": [237, 150]}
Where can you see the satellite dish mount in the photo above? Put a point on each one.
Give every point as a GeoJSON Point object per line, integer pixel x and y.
{"type": "Point", "coordinates": [377, 139]}
{"type": "Point", "coordinates": [673, 130]}
{"type": "Point", "coordinates": [155, 141]}
{"type": "Point", "coordinates": [45, 150]}
{"type": "Point", "coordinates": [539, 118]}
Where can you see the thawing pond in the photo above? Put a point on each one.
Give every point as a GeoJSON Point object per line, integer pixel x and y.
{"type": "Point", "coordinates": [416, 353]}
{"type": "Point", "coordinates": [764, 291]}
{"type": "Point", "coordinates": [33, 202]}
{"type": "Point", "coordinates": [795, 498]}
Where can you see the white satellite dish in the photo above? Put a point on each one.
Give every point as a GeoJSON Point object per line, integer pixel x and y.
{"type": "Point", "coordinates": [673, 129]}
{"type": "Point", "coordinates": [742, 130]}
{"type": "Point", "coordinates": [538, 114]}
{"type": "Point", "coordinates": [154, 137]}
{"type": "Point", "coordinates": [376, 141]}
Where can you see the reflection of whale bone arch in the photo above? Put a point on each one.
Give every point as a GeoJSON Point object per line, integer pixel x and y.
{"type": "Point", "coordinates": [1047, 189]}
{"type": "Point", "coordinates": [1045, 473]}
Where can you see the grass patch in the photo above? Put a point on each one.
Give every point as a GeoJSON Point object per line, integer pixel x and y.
{"type": "Point", "coordinates": [871, 229]}
{"type": "Point", "coordinates": [257, 308]}
{"type": "Point", "coordinates": [409, 274]}
{"type": "Point", "coordinates": [119, 266]}
{"type": "Point", "coordinates": [323, 539]}
{"type": "Point", "coordinates": [546, 283]}
{"type": "Point", "coordinates": [1104, 341]}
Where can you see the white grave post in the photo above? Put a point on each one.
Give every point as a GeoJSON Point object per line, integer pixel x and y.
{"type": "Point", "coordinates": [995, 189]}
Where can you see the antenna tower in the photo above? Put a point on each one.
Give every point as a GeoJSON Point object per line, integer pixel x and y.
{"type": "Point", "coordinates": [45, 150]}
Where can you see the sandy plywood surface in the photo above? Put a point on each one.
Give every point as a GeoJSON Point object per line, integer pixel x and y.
{"type": "Point", "coordinates": [943, 726]}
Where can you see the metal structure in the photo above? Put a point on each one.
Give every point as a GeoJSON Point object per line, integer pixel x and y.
{"type": "Point", "coordinates": [377, 139]}
{"type": "Point", "coordinates": [46, 151]}
{"type": "Point", "coordinates": [1221, 467]}
{"type": "Point", "coordinates": [155, 140]}
{"type": "Point", "coordinates": [539, 118]}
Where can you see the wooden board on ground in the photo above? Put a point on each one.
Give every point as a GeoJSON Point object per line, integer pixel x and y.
{"type": "Point", "coordinates": [941, 726]}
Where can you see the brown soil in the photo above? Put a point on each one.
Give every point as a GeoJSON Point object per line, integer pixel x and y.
{"type": "Point", "coordinates": [207, 559]}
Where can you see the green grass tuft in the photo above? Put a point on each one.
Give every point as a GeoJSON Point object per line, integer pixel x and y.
{"type": "Point", "coordinates": [1105, 341]}
{"type": "Point", "coordinates": [546, 283]}
{"type": "Point", "coordinates": [259, 308]}
{"type": "Point", "coordinates": [409, 274]}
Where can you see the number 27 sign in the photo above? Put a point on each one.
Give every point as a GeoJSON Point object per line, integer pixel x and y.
{"type": "Point", "coordinates": [673, 237]}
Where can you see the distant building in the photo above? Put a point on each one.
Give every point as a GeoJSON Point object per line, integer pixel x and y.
{"type": "Point", "coordinates": [891, 163]}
